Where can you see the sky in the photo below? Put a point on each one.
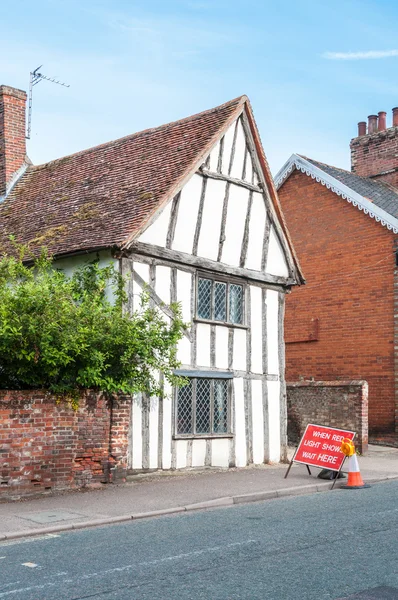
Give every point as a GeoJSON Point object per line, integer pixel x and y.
{"type": "Point", "coordinates": [311, 68]}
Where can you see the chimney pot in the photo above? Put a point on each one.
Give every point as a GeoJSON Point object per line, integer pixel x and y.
{"type": "Point", "coordinates": [395, 117]}
{"type": "Point", "coordinates": [382, 120]}
{"type": "Point", "coordinates": [372, 123]}
{"type": "Point", "coordinates": [361, 128]}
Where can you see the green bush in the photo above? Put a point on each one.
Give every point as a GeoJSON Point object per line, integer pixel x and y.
{"type": "Point", "coordinates": [65, 335]}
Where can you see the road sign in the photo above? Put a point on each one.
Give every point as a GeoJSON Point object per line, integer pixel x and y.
{"type": "Point", "coordinates": [320, 447]}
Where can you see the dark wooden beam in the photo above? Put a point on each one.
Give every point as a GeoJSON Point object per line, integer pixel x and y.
{"type": "Point", "coordinates": [173, 220]}
{"type": "Point", "coordinates": [199, 220]}
{"type": "Point", "coordinates": [231, 160]}
{"type": "Point", "coordinates": [245, 241]}
{"type": "Point", "coordinates": [182, 258]}
{"type": "Point", "coordinates": [222, 177]}
{"type": "Point", "coordinates": [220, 156]}
{"type": "Point", "coordinates": [223, 222]}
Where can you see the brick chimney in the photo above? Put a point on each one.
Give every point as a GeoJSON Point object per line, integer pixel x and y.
{"type": "Point", "coordinates": [12, 134]}
{"type": "Point", "coordinates": [374, 153]}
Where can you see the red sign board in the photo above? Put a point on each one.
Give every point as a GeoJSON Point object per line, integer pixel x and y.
{"type": "Point", "coordinates": [320, 447]}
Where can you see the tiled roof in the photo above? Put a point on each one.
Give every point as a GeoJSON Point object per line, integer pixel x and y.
{"type": "Point", "coordinates": [381, 194]}
{"type": "Point", "coordinates": [103, 196]}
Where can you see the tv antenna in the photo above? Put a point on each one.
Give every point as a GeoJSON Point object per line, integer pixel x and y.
{"type": "Point", "coordinates": [35, 78]}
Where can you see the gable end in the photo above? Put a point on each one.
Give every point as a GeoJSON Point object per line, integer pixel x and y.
{"type": "Point", "coordinates": [298, 163]}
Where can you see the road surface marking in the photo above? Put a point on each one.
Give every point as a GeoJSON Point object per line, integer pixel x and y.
{"type": "Point", "coordinates": [78, 578]}
{"type": "Point", "coordinates": [29, 540]}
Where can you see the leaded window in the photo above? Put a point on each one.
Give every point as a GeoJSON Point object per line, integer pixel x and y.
{"type": "Point", "coordinates": [203, 407]}
{"type": "Point", "coordinates": [220, 301]}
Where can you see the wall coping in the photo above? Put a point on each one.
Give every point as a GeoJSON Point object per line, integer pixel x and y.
{"type": "Point", "coordinates": [339, 383]}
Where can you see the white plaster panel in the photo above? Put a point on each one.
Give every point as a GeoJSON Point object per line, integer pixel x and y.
{"type": "Point", "coordinates": [274, 421]}
{"type": "Point", "coordinates": [153, 432]}
{"type": "Point", "coordinates": [240, 145]}
{"type": "Point", "coordinates": [239, 350]}
{"type": "Point", "coordinates": [184, 285]}
{"type": "Point", "coordinates": [136, 415]}
{"type": "Point", "coordinates": [184, 351]}
{"type": "Point", "coordinates": [239, 425]}
{"type": "Point", "coordinates": [214, 157]}
{"type": "Point", "coordinates": [256, 233]}
{"type": "Point", "coordinates": [203, 345]}
{"type": "Point", "coordinates": [272, 332]}
{"type": "Point", "coordinates": [256, 329]}
{"type": "Point", "coordinates": [249, 168]}
{"type": "Point", "coordinates": [257, 421]}
{"type": "Point", "coordinates": [181, 453]}
{"type": "Point", "coordinates": [142, 269]}
{"type": "Point", "coordinates": [156, 233]}
{"type": "Point", "coordinates": [187, 215]}
{"type": "Point", "coordinates": [198, 453]}
{"type": "Point", "coordinates": [256, 180]}
{"type": "Point", "coordinates": [167, 426]}
{"type": "Point", "coordinates": [220, 452]}
{"type": "Point", "coordinates": [276, 262]}
{"type": "Point", "coordinates": [162, 285]}
{"type": "Point", "coordinates": [235, 224]}
{"type": "Point", "coordinates": [226, 155]}
{"type": "Point", "coordinates": [70, 264]}
{"type": "Point", "coordinates": [209, 238]}
{"type": "Point", "coordinates": [221, 347]}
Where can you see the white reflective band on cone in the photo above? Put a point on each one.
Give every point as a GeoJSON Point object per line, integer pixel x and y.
{"type": "Point", "coordinates": [353, 466]}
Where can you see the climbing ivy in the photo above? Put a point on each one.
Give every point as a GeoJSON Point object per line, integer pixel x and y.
{"type": "Point", "coordinates": [67, 334]}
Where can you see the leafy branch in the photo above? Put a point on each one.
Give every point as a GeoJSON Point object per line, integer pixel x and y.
{"type": "Point", "coordinates": [69, 334]}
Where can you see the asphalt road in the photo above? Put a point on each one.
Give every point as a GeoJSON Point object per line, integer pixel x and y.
{"type": "Point", "coordinates": [324, 546]}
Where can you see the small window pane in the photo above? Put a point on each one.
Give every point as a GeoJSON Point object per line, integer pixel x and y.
{"type": "Point", "coordinates": [203, 406]}
{"type": "Point", "coordinates": [204, 298]}
{"type": "Point", "coordinates": [220, 301]}
{"type": "Point", "coordinates": [235, 303]}
{"type": "Point", "coordinates": [220, 406]}
{"type": "Point", "coordinates": [184, 409]}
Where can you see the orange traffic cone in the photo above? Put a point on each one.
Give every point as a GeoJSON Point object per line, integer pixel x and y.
{"type": "Point", "coordinates": [355, 481]}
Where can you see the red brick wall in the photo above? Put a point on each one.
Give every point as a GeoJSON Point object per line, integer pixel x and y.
{"type": "Point", "coordinates": [12, 133]}
{"type": "Point", "coordinates": [376, 153]}
{"type": "Point", "coordinates": [339, 404]}
{"type": "Point", "coordinates": [348, 262]}
{"type": "Point", "coordinates": [45, 445]}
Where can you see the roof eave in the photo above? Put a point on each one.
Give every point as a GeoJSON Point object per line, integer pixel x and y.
{"type": "Point", "coordinates": [299, 163]}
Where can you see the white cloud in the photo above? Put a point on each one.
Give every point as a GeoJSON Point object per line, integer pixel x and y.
{"type": "Point", "coordinates": [360, 55]}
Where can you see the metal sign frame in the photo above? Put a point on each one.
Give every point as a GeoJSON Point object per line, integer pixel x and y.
{"type": "Point", "coordinates": [308, 465]}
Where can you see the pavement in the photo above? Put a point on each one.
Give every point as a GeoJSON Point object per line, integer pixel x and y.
{"type": "Point", "coordinates": [162, 493]}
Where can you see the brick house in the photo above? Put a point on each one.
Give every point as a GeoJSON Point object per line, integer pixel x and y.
{"type": "Point", "coordinates": [343, 323]}
{"type": "Point", "coordinates": [189, 211]}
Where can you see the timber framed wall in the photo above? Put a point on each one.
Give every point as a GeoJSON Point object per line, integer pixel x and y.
{"type": "Point", "coordinates": [220, 226]}
{"type": "Point", "coordinates": [253, 356]}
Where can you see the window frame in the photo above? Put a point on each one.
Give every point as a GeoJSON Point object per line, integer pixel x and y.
{"type": "Point", "coordinates": [228, 281]}
{"type": "Point", "coordinates": [228, 378]}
